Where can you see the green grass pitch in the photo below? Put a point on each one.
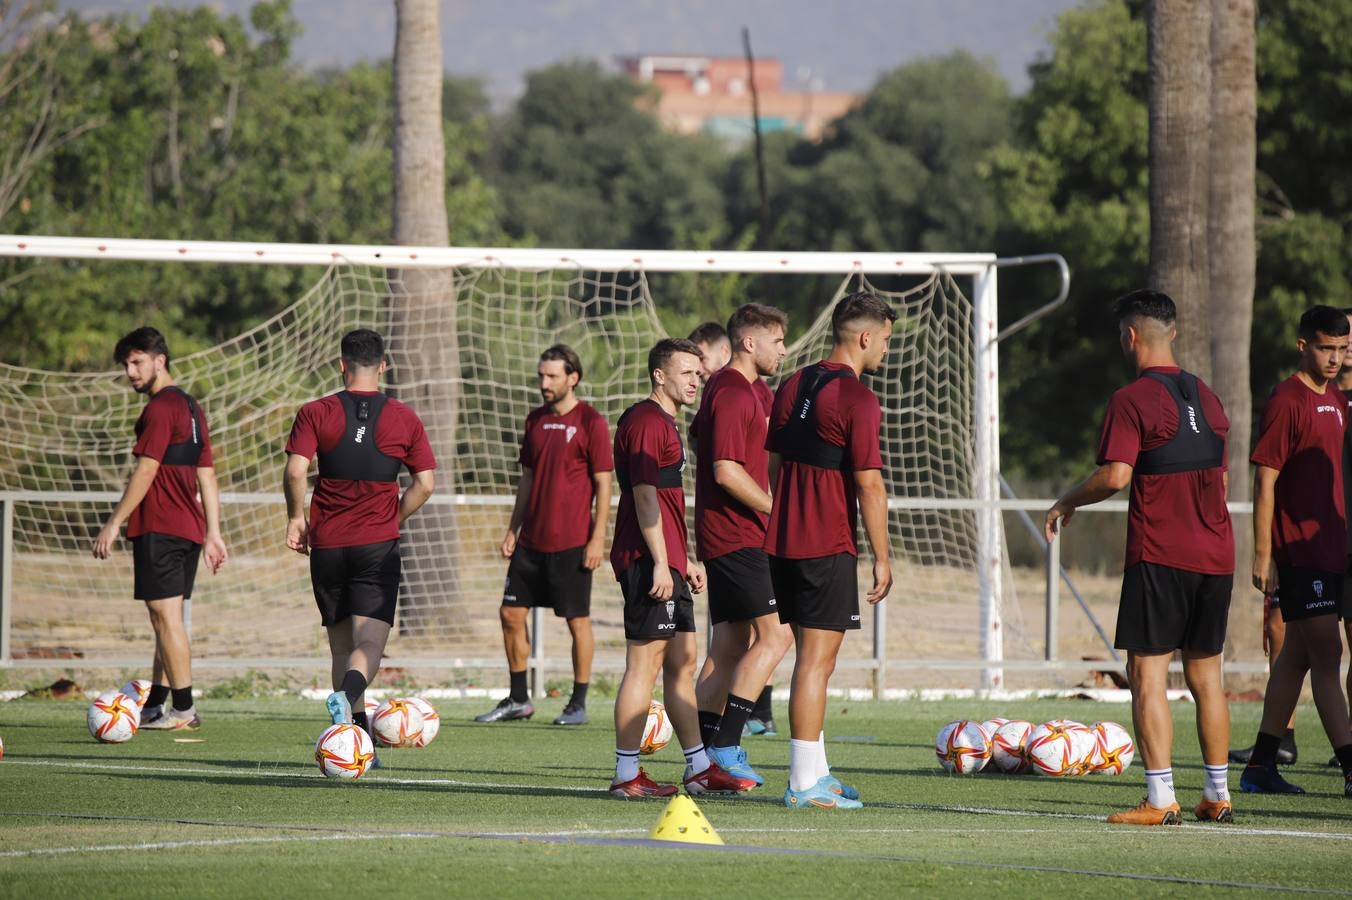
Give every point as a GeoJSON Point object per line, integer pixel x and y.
{"type": "Point", "coordinates": [519, 809]}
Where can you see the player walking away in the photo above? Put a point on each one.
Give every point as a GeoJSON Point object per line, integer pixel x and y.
{"type": "Point", "coordinates": [1164, 434]}
{"type": "Point", "coordinates": [1300, 544]}
{"type": "Point", "coordinates": [362, 438]}
{"type": "Point", "coordinates": [649, 558]}
{"type": "Point", "coordinates": [713, 342]}
{"type": "Point", "coordinates": [732, 507]}
{"type": "Point", "coordinates": [826, 468]}
{"type": "Point", "coordinates": [563, 496]}
{"type": "Point", "coordinates": [167, 526]}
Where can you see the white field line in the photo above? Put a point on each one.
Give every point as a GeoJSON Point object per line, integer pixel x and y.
{"type": "Point", "coordinates": [1210, 829]}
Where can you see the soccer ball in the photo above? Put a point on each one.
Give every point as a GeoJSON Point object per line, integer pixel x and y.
{"type": "Point", "coordinates": [963, 747]}
{"type": "Point", "coordinates": [2, 748]}
{"type": "Point", "coordinates": [344, 751]}
{"type": "Point", "coordinates": [1007, 747]}
{"type": "Point", "coordinates": [1114, 749]}
{"type": "Point", "coordinates": [657, 730]}
{"type": "Point", "coordinates": [370, 706]}
{"type": "Point", "coordinates": [113, 717]}
{"type": "Point", "coordinates": [993, 725]}
{"type": "Point", "coordinates": [138, 689]}
{"type": "Point", "coordinates": [398, 723]}
{"type": "Point", "coordinates": [431, 721]}
{"type": "Point", "coordinates": [1052, 749]}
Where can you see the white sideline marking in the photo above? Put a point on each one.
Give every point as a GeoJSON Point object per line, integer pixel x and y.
{"type": "Point", "coordinates": [1210, 829]}
{"type": "Point", "coordinates": [214, 842]}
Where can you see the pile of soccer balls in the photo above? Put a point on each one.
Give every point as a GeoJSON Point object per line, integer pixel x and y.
{"type": "Point", "coordinates": [345, 751]}
{"type": "Point", "coordinates": [115, 716]}
{"type": "Point", "coordinates": [1057, 748]}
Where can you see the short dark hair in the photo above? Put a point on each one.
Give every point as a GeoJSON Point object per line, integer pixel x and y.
{"type": "Point", "coordinates": [860, 305]}
{"type": "Point", "coordinates": [665, 349]}
{"type": "Point", "coordinates": [1326, 319]}
{"type": "Point", "coordinates": [566, 355]}
{"type": "Point", "coordinates": [146, 340]}
{"type": "Point", "coordinates": [1145, 304]}
{"type": "Point", "coordinates": [754, 315]}
{"type": "Point", "coordinates": [709, 333]}
{"type": "Point", "coordinates": [363, 348]}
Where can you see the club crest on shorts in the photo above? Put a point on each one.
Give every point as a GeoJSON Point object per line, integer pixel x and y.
{"type": "Point", "coordinates": [1318, 585]}
{"type": "Point", "coordinates": [671, 609]}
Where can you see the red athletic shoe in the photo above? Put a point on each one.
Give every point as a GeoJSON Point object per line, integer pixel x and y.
{"type": "Point", "coordinates": [714, 780]}
{"type": "Point", "coordinates": [641, 786]}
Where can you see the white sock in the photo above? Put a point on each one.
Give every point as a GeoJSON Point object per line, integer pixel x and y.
{"type": "Point", "coordinates": [626, 765]}
{"type": "Point", "coordinates": [696, 758]}
{"type": "Point", "coordinates": [1217, 786]}
{"type": "Point", "coordinates": [822, 768]}
{"type": "Point", "coordinates": [1159, 787]}
{"type": "Point", "coordinates": [802, 764]}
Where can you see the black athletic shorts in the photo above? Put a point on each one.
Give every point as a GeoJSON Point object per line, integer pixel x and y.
{"type": "Point", "coordinates": [356, 581]}
{"type": "Point", "coordinates": [1306, 593]}
{"type": "Point", "coordinates": [1165, 609]}
{"type": "Point", "coordinates": [554, 580]}
{"type": "Point", "coordinates": [646, 619]}
{"type": "Point", "coordinates": [739, 586]}
{"type": "Point", "coordinates": [163, 566]}
{"type": "Point", "coordinates": [817, 593]}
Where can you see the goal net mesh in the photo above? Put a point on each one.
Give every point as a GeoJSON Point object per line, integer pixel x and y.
{"type": "Point", "coordinates": [467, 367]}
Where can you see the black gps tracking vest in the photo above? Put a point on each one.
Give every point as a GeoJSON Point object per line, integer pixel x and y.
{"type": "Point", "coordinates": [1194, 446]}
{"type": "Point", "coordinates": [355, 457]}
{"type": "Point", "coordinates": [186, 453]}
{"type": "Point", "coordinates": [797, 439]}
{"type": "Point", "coordinates": [667, 476]}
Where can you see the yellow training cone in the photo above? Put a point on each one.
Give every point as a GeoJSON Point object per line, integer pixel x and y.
{"type": "Point", "coordinates": [682, 821]}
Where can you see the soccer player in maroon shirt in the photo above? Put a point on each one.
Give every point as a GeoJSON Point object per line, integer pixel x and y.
{"type": "Point", "coordinates": [557, 534]}
{"type": "Point", "coordinates": [826, 468]}
{"type": "Point", "coordinates": [167, 526]}
{"type": "Point", "coordinates": [712, 340]}
{"type": "Point", "coordinates": [656, 577]}
{"type": "Point", "coordinates": [1164, 435]}
{"type": "Point", "coordinates": [363, 439]}
{"type": "Point", "coordinates": [1300, 544]}
{"type": "Point", "coordinates": [732, 506]}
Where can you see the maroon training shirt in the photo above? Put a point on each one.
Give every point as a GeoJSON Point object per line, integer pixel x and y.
{"type": "Point", "coordinates": [564, 452]}
{"type": "Point", "coordinates": [1302, 437]}
{"type": "Point", "coordinates": [347, 513]}
{"type": "Point", "coordinates": [646, 441]}
{"type": "Point", "coordinates": [731, 424]}
{"type": "Point", "coordinates": [171, 505]}
{"type": "Point", "coordinates": [1180, 519]}
{"type": "Point", "coordinates": [815, 509]}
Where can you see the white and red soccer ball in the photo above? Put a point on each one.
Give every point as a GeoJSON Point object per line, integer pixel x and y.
{"type": "Point", "coordinates": [344, 751]}
{"type": "Point", "coordinates": [656, 731]}
{"type": "Point", "coordinates": [993, 725]}
{"type": "Point", "coordinates": [113, 717]}
{"type": "Point", "coordinates": [138, 689]}
{"type": "Point", "coordinates": [2, 748]}
{"type": "Point", "coordinates": [397, 723]}
{"type": "Point", "coordinates": [1054, 749]}
{"type": "Point", "coordinates": [1008, 747]}
{"type": "Point", "coordinates": [431, 721]}
{"type": "Point", "coordinates": [1114, 749]}
{"type": "Point", "coordinates": [369, 706]}
{"type": "Point", "coordinates": [963, 747]}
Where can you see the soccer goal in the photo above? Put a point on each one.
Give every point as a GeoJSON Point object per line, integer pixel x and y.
{"type": "Point", "coordinates": [465, 327]}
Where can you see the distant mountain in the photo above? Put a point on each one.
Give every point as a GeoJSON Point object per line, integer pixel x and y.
{"type": "Point", "coordinates": [843, 45]}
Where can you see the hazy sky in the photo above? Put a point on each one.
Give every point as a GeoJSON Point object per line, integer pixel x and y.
{"type": "Point", "coordinates": [845, 44]}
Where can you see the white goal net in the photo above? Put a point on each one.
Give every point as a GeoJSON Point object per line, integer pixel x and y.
{"type": "Point", "coordinates": [65, 456]}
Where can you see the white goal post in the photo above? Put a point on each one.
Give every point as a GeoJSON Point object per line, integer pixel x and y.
{"type": "Point", "coordinates": [939, 390]}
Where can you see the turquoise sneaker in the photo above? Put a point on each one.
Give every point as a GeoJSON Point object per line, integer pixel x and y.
{"type": "Point", "coordinates": [753, 727]}
{"type": "Point", "coordinates": [733, 761]}
{"type": "Point", "coordinates": [339, 709]}
{"type": "Point", "coordinates": [836, 786]}
{"type": "Point", "coordinates": [819, 795]}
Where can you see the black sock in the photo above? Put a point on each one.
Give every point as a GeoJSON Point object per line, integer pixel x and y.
{"type": "Point", "coordinates": [1265, 750]}
{"type": "Point", "coordinates": [579, 697]}
{"type": "Point", "coordinates": [519, 692]}
{"type": "Point", "coordinates": [764, 710]}
{"type": "Point", "coordinates": [1344, 754]}
{"type": "Point", "coordinates": [158, 694]}
{"type": "Point", "coordinates": [182, 698]}
{"type": "Point", "coordinates": [708, 727]}
{"type": "Point", "coordinates": [1289, 740]}
{"type": "Point", "coordinates": [359, 719]}
{"type": "Point", "coordinates": [735, 714]}
{"type": "Point", "coordinates": [354, 685]}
